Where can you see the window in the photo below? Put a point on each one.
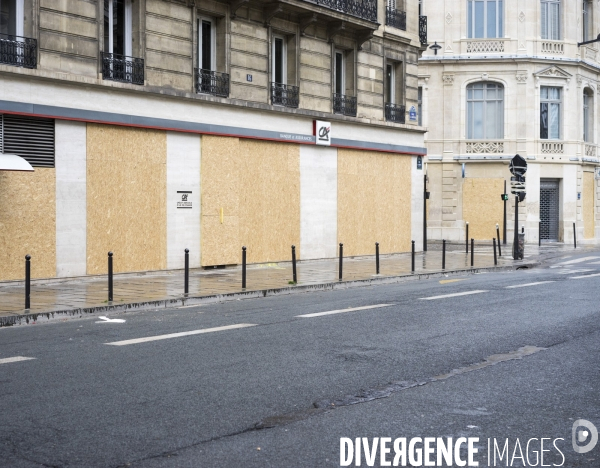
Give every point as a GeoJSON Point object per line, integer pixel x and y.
{"type": "Point", "coordinates": [588, 113]}
{"type": "Point", "coordinates": [11, 17]}
{"type": "Point", "coordinates": [279, 60]}
{"type": "Point", "coordinates": [420, 7]}
{"type": "Point", "coordinates": [550, 100]}
{"type": "Point", "coordinates": [587, 20]}
{"type": "Point", "coordinates": [485, 18]}
{"type": "Point", "coordinates": [420, 105]}
{"type": "Point", "coordinates": [206, 44]}
{"type": "Point", "coordinates": [551, 19]}
{"type": "Point", "coordinates": [485, 111]}
{"type": "Point", "coordinates": [340, 86]}
{"type": "Point", "coordinates": [117, 27]}
{"type": "Point", "coordinates": [31, 138]}
{"type": "Point", "coordinates": [390, 84]}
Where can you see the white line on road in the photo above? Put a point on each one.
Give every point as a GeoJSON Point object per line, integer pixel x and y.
{"type": "Point", "coordinates": [452, 295]}
{"type": "Point", "coordinates": [15, 359]}
{"type": "Point", "coordinates": [341, 311]}
{"type": "Point", "coordinates": [578, 260]}
{"type": "Point", "coordinates": [177, 335]}
{"type": "Point", "coordinates": [584, 276]}
{"type": "Point", "coordinates": [528, 284]}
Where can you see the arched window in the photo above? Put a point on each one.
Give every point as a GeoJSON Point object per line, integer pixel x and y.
{"type": "Point", "coordinates": [485, 111]}
{"type": "Point", "coordinates": [588, 115]}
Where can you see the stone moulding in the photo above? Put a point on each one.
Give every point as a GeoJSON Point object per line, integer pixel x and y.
{"type": "Point", "coordinates": [485, 46]}
{"type": "Point", "coordinates": [485, 147]}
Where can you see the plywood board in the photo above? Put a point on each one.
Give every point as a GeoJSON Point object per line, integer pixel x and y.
{"type": "Point", "coordinates": [482, 206]}
{"type": "Point", "coordinates": [588, 205]}
{"type": "Point", "coordinates": [27, 223]}
{"type": "Point", "coordinates": [126, 198]}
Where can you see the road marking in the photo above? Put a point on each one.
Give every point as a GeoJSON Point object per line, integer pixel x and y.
{"type": "Point", "coordinates": [15, 359]}
{"type": "Point", "coordinates": [451, 281]}
{"type": "Point", "coordinates": [578, 260]}
{"type": "Point", "coordinates": [108, 320]}
{"type": "Point", "coordinates": [177, 335]}
{"type": "Point", "coordinates": [188, 306]}
{"type": "Point", "coordinates": [528, 284]}
{"type": "Point", "coordinates": [584, 276]}
{"type": "Point", "coordinates": [453, 295]}
{"type": "Point", "coordinates": [341, 311]}
{"type": "Point", "coordinates": [572, 272]}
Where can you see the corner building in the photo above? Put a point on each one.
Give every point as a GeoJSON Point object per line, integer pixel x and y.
{"type": "Point", "coordinates": [510, 78]}
{"type": "Point", "coordinates": [154, 126]}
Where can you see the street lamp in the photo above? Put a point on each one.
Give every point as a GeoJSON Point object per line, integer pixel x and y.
{"type": "Point", "coordinates": [435, 47]}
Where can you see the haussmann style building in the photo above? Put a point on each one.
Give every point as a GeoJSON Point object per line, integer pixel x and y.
{"type": "Point", "coordinates": [153, 126]}
{"type": "Point", "coordinates": [510, 77]}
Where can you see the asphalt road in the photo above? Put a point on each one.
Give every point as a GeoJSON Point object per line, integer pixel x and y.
{"type": "Point", "coordinates": [281, 390]}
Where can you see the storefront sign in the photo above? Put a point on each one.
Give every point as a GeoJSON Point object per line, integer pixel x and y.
{"type": "Point", "coordinates": [322, 132]}
{"type": "Point", "coordinates": [183, 197]}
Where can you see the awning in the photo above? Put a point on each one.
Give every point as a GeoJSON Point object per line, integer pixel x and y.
{"type": "Point", "coordinates": [12, 162]}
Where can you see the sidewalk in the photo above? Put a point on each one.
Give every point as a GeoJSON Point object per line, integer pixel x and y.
{"type": "Point", "coordinates": [52, 298]}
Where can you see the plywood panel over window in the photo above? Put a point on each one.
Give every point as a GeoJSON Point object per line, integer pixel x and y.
{"type": "Point", "coordinates": [482, 206]}
{"type": "Point", "coordinates": [588, 205]}
{"type": "Point", "coordinates": [27, 223]}
{"type": "Point", "coordinates": [374, 202]}
{"type": "Point", "coordinates": [126, 198]}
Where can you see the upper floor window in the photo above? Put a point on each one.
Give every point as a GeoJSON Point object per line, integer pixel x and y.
{"type": "Point", "coordinates": [485, 18]}
{"type": "Point", "coordinates": [588, 113]}
{"type": "Point", "coordinates": [206, 44]}
{"type": "Point", "coordinates": [550, 103]}
{"type": "Point", "coordinates": [587, 20]}
{"type": "Point", "coordinates": [420, 105]}
{"type": "Point", "coordinates": [551, 19]}
{"type": "Point", "coordinates": [485, 111]}
{"type": "Point", "coordinates": [11, 17]}
{"type": "Point", "coordinates": [343, 83]}
{"type": "Point", "coordinates": [117, 27]}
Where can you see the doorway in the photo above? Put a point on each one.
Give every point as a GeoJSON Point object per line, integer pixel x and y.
{"type": "Point", "coordinates": [549, 209]}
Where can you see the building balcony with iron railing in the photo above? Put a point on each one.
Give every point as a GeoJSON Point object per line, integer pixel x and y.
{"type": "Point", "coordinates": [18, 51]}
{"type": "Point", "coordinates": [116, 67]}
{"type": "Point", "coordinates": [364, 9]}
{"type": "Point", "coordinates": [423, 30]}
{"type": "Point", "coordinates": [344, 104]}
{"type": "Point", "coordinates": [212, 82]}
{"type": "Point", "coordinates": [395, 18]}
{"type": "Point", "coordinates": [395, 113]}
{"type": "Point", "coordinates": [285, 95]}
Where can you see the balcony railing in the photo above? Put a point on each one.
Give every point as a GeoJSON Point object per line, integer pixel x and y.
{"type": "Point", "coordinates": [423, 30]}
{"type": "Point", "coordinates": [395, 18]}
{"type": "Point", "coordinates": [395, 113]}
{"type": "Point", "coordinates": [18, 51]}
{"type": "Point", "coordinates": [345, 105]}
{"type": "Point", "coordinates": [365, 9]}
{"type": "Point", "coordinates": [117, 67]}
{"type": "Point", "coordinates": [212, 82]}
{"type": "Point", "coordinates": [285, 95]}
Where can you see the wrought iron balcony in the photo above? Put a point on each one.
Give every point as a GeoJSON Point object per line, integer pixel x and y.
{"type": "Point", "coordinates": [212, 82]}
{"type": "Point", "coordinates": [395, 113]}
{"type": "Point", "coordinates": [423, 30]}
{"type": "Point", "coordinates": [285, 95]}
{"type": "Point", "coordinates": [18, 51]}
{"type": "Point", "coordinates": [343, 104]}
{"type": "Point", "coordinates": [365, 9]}
{"type": "Point", "coordinates": [395, 18]}
{"type": "Point", "coordinates": [117, 67]}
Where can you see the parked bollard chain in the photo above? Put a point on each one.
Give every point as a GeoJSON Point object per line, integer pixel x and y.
{"type": "Point", "coordinates": [27, 281]}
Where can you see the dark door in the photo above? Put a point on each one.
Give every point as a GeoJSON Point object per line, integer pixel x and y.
{"type": "Point", "coordinates": [549, 200]}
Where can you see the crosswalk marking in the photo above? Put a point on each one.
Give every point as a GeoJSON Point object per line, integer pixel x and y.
{"type": "Point", "coordinates": [528, 284]}
{"type": "Point", "coordinates": [584, 276]}
{"type": "Point", "coordinates": [467, 293]}
{"type": "Point", "coordinates": [341, 311]}
{"type": "Point", "coordinates": [15, 359]}
{"type": "Point", "coordinates": [578, 260]}
{"type": "Point", "coordinates": [177, 335]}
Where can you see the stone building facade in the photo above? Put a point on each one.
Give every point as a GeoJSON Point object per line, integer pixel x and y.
{"type": "Point", "coordinates": [158, 125]}
{"type": "Point", "coordinates": [510, 77]}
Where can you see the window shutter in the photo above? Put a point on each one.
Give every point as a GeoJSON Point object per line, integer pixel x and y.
{"type": "Point", "coordinates": [544, 20]}
{"type": "Point", "coordinates": [29, 137]}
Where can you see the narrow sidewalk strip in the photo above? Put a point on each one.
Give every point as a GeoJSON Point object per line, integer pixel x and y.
{"type": "Point", "coordinates": [177, 335]}
{"type": "Point", "coordinates": [15, 359]}
{"type": "Point", "coordinates": [341, 311]}
{"type": "Point", "coordinates": [467, 293]}
{"type": "Point", "coordinates": [528, 284]}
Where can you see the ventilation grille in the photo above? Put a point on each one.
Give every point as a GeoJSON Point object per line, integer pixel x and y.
{"type": "Point", "coordinates": [29, 137]}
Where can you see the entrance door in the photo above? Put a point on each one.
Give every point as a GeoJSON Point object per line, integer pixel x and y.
{"type": "Point", "coordinates": [549, 209]}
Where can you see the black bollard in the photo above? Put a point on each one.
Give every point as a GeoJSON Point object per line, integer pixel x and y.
{"type": "Point", "coordinates": [574, 237]}
{"type": "Point", "coordinates": [243, 267]}
{"type": "Point", "coordinates": [110, 276]}
{"type": "Point", "coordinates": [412, 262]}
{"type": "Point", "coordinates": [443, 254]}
{"type": "Point", "coordinates": [495, 259]}
{"type": "Point", "coordinates": [467, 237]}
{"type": "Point", "coordinates": [186, 278]}
{"type": "Point", "coordinates": [341, 260]}
{"type": "Point", "coordinates": [294, 276]}
{"type": "Point", "coordinates": [472, 251]}
{"type": "Point", "coordinates": [540, 234]}
{"type": "Point", "coordinates": [377, 257]}
{"type": "Point", "coordinates": [27, 281]}
{"type": "Point", "coordinates": [498, 236]}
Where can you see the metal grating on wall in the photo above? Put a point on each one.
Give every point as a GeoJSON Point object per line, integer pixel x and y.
{"type": "Point", "coordinates": [549, 208]}
{"type": "Point", "coordinates": [31, 138]}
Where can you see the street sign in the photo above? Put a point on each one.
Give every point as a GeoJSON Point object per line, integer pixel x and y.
{"type": "Point", "coordinates": [517, 166]}
{"type": "Point", "coordinates": [504, 196]}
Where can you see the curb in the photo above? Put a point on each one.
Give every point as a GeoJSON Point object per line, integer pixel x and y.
{"type": "Point", "coordinates": [27, 319]}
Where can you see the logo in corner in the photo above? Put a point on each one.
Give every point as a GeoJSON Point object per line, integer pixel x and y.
{"type": "Point", "coordinates": [590, 433]}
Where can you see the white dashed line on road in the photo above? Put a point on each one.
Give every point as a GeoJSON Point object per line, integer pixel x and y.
{"type": "Point", "coordinates": [341, 311]}
{"type": "Point", "coordinates": [578, 260]}
{"type": "Point", "coordinates": [15, 359]}
{"type": "Point", "coordinates": [467, 293]}
{"type": "Point", "coordinates": [177, 335]}
{"type": "Point", "coordinates": [528, 284]}
{"type": "Point", "coordinates": [584, 276]}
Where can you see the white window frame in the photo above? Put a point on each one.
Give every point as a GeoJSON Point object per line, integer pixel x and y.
{"type": "Point", "coordinates": [559, 102]}
{"type": "Point", "coordinates": [544, 26]}
{"type": "Point", "coordinates": [213, 40]}
{"type": "Point", "coordinates": [127, 17]}
{"type": "Point", "coordinates": [587, 20]}
{"type": "Point", "coordinates": [283, 58]}
{"type": "Point", "coordinates": [18, 18]}
{"type": "Point", "coordinates": [588, 115]}
{"type": "Point", "coordinates": [343, 71]}
{"type": "Point", "coordinates": [471, 114]}
{"type": "Point", "coordinates": [471, 22]}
